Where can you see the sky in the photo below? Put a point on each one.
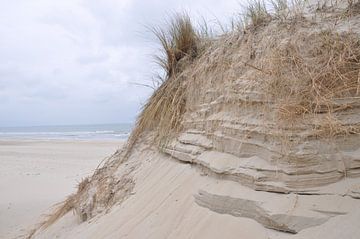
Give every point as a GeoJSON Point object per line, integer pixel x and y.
{"type": "Point", "coordinates": [81, 61]}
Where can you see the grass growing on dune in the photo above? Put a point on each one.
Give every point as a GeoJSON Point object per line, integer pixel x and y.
{"type": "Point", "coordinates": [163, 112]}
{"type": "Point", "coordinates": [315, 76]}
{"type": "Point", "coordinates": [180, 45]}
{"type": "Point", "coordinates": [256, 13]}
{"type": "Point", "coordinates": [178, 40]}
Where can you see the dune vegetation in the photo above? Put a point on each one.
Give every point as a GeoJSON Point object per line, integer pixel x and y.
{"type": "Point", "coordinates": [306, 76]}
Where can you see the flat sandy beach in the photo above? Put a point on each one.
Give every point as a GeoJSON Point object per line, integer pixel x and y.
{"type": "Point", "coordinates": [36, 174]}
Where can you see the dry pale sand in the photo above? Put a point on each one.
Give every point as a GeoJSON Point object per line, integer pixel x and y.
{"type": "Point", "coordinates": [34, 175]}
{"type": "Point", "coordinates": [179, 200]}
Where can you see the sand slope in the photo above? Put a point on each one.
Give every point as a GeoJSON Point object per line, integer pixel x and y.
{"type": "Point", "coordinates": [177, 200]}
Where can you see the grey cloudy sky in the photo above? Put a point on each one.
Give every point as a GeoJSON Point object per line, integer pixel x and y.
{"type": "Point", "coordinates": [75, 61]}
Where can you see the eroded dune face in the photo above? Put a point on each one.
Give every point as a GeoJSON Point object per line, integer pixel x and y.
{"type": "Point", "coordinates": [270, 139]}
{"type": "Point", "coordinates": [268, 144]}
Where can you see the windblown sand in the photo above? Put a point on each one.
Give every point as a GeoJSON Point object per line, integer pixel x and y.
{"type": "Point", "coordinates": [35, 175]}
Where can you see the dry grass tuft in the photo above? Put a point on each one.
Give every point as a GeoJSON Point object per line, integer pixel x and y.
{"type": "Point", "coordinates": [61, 209]}
{"type": "Point", "coordinates": [163, 112]}
{"type": "Point", "coordinates": [256, 14]}
{"type": "Point", "coordinates": [288, 10]}
{"type": "Point", "coordinates": [281, 9]}
{"type": "Point", "coordinates": [178, 40]}
{"type": "Point", "coordinates": [311, 76]}
{"type": "Point", "coordinates": [353, 7]}
{"type": "Point", "coordinates": [331, 127]}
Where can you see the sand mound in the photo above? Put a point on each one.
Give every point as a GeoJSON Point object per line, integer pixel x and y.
{"type": "Point", "coordinates": [254, 134]}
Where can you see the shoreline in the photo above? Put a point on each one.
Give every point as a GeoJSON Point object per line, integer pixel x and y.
{"type": "Point", "coordinates": [38, 173]}
{"type": "Point", "coordinates": [62, 140]}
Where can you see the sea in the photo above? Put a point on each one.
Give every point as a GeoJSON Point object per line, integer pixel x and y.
{"type": "Point", "coordinates": [70, 132]}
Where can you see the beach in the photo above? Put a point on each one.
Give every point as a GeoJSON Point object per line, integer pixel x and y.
{"type": "Point", "coordinates": [37, 174]}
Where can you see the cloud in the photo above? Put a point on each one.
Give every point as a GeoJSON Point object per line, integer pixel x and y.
{"type": "Point", "coordinates": [93, 58]}
{"type": "Point", "coordinates": [76, 61]}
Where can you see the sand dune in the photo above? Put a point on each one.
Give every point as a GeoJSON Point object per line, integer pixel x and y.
{"type": "Point", "coordinates": [253, 134]}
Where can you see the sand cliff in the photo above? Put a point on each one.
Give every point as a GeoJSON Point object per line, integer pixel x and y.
{"type": "Point", "coordinates": [265, 143]}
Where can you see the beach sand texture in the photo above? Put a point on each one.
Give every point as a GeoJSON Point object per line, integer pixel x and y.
{"type": "Point", "coordinates": [35, 175]}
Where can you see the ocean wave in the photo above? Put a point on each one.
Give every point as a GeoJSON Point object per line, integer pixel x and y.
{"type": "Point", "coordinates": [60, 133]}
{"type": "Point", "coordinates": [72, 132]}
